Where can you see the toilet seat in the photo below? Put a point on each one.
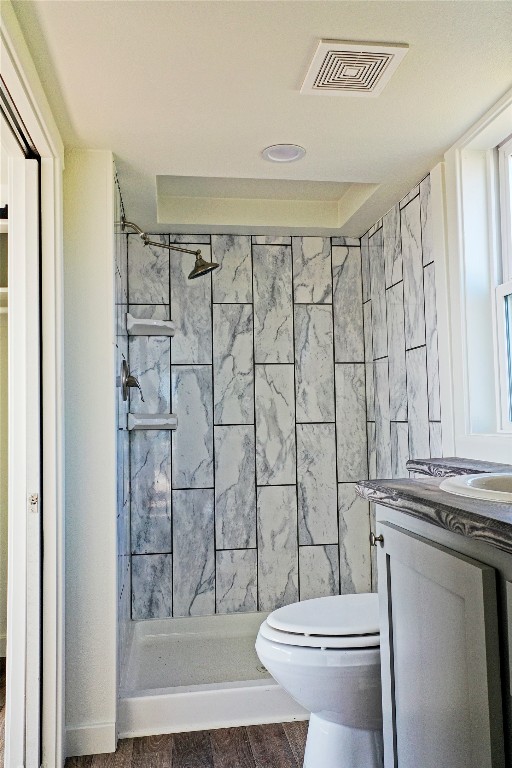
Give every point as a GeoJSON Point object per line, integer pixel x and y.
{"type": "Point", "coordinates": [342, 621]}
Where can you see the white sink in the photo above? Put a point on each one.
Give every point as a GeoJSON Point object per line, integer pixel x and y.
{"type": "Point", "coordinates": [490, 487]}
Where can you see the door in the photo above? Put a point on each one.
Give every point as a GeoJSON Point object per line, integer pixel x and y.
{"type": "Point", "coordinates": [439, 656]}
{"type": "Point", "coordinates": [22, 721]}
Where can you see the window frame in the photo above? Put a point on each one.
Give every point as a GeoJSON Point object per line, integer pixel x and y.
{"type": "Point", "coordinates": [505, 174]}
{"type": "Point", "coordinates": [504, 288]}
{"type": "Point", "coordinates": [472, 269]}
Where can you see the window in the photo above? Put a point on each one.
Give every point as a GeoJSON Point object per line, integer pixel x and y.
{"type": "Point", "coordinates": [476, 289]}
{"type": "Point", "coordinates": [504, 288]}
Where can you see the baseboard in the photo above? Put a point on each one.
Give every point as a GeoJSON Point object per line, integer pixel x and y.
{"type": "Point", "coordinates": [201, 708]}
{"type": "Point", "coordinates": [91, 739]}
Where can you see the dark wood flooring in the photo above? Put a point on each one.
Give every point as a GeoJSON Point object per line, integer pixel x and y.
{"type": "Point", "coordinates": [2, 709]}
{"type": "Point", "coordinates": [255, 746]}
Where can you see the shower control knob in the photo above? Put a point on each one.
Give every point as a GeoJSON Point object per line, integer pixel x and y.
{"type": "Point", "coordinates": [374, 539]}
{"type": "Point", "coordinates": [127, 381]}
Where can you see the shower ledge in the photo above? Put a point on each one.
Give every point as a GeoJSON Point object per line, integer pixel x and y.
{"type": "Point", "coordinates": [152, 421]}
{"type": "Point", "coordinates": [149, 327]}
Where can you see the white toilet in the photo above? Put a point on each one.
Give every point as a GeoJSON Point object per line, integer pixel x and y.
{"type": "Point", "coordinates": [325, 653]}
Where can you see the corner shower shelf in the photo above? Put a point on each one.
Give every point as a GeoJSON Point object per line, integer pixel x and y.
{"type": "Point", "coordinates": [150, 327]}
{"type": "Point", "coordinates": [152, 421]}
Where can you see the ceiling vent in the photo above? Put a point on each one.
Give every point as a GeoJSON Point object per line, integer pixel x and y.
{"type": "Point", "coordinates": [352, 69]}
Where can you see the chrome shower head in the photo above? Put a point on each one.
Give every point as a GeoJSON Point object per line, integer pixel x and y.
{"type": "Point", "coordinates": [202, 267]}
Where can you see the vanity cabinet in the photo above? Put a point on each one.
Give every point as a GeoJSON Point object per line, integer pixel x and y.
{"type": "Point", "coordinates": [440, 648]}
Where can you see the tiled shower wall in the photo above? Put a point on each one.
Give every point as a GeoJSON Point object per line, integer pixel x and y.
{"type": "Point", "coordinates": [402, 365]}
{"type": "Point", "coordinates": [401, 353]}
{"type": "Point", "coordinates": [250, 503]}
{"type": "Point", "coordinates": [123, 445]}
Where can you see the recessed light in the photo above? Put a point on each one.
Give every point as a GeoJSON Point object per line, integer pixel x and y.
{"type": "Point", "coordinates": [283, 153]}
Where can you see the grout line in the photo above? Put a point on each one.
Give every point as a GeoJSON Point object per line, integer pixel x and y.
{"type": "Point", "coordinates": [295, 417]}
{"type": "Point", "coordinates": [256, 506]}
{"type": "Point", "coordinates": [420, 346]}
{"type": "Point", "coordinates": [336, 470]}
{"type": "Point", "coordinates": [214, 463]}
{"type": "Point", "coordinates": [172, 440]}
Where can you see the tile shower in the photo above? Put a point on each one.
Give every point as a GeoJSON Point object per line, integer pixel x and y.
{"type": "Point", "coordinates": [298, 367]}
{"type": "Point", "coordinates": [250, 503]}
{"type": "Point", "coordinates": [403, 404]}
{"type": "Point", "coordinates": [401, 355]}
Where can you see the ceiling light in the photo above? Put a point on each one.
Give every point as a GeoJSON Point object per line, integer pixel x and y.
{"type": "Point", "coordinates": [283, 153]}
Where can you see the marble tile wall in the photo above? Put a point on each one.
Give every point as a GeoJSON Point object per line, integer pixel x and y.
{"type": "Point", "coordinates": [250, 503]}
{"type": "Point", "coordinates": [122, 442]}
{"type": "Point", "coordinates": [403, 408]}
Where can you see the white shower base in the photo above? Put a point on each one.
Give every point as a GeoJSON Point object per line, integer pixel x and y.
{"type": "Point", "coordinates": [198, 673]}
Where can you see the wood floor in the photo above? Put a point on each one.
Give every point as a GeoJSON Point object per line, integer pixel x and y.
{"type": "Point", "coordinates": [2, 708]}
{"type": "Point", "coordinates": [255, 746]}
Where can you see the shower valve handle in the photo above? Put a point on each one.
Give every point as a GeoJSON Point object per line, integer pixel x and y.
{"type": "Point", "coordinates": [131, 381]}
{"type": "Point", "coordinates": [127, 381]}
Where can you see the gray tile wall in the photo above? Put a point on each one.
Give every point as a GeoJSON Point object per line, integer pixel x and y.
{"type": "Point", "coordinates": [403, 408]}
{"type": "Point", "coordinates": [299, 367]}
{"type": "Point", "coordinates": [123, 445]}
{"type": "Point", "coordinates": [250, 504]}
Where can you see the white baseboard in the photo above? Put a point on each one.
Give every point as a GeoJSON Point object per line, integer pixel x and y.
{"type": "Point", "coordinates": [199, 708]}
{"type": "Point", "coordinates": [91, 739]}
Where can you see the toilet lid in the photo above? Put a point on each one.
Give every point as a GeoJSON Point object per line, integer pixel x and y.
{"type": "Point", "coordinates": [338, 616]}
{"type": "Point", "coordinates": [330, 642]}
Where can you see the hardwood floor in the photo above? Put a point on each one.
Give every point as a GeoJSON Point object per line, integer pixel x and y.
{"type": "Point", "coordinates": [255, 746]}
{"type": "Point", "coordinates": [2, 708]}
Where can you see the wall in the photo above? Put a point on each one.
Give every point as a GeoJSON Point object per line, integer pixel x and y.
{"type": "Point", "coordinates": [91, 586]}
{"type": "Point", "coordinates": [403, 405]}
{"type": "Point", "coordinates": [122, 440]}
{"type": "Point", "coordinates": [4, 485]}
{"type": "Point", "coordinates": [402, 365]}
{"type": "Point", "coordinates": [250, 504]}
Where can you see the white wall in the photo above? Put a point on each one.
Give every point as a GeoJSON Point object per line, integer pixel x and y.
{"type": "Point", "coordinates": [90, 453]}
{"type": "Point", "coordinates": [3, 471]}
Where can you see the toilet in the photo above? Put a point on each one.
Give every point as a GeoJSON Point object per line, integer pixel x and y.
{"type": "Point", "coordinates": [325, 653]}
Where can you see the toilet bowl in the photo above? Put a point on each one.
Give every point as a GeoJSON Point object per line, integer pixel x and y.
{"type": "Point", "coordinates": [325, 653]}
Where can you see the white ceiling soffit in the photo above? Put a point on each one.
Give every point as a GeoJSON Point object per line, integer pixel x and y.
{"type": "Point", "coordinates": [352, 69]}
{"type": "Point", "coordinates": [212, 204]}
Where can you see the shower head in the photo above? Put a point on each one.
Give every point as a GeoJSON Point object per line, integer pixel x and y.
{"type": "Point", "coordinates": [202, 267]}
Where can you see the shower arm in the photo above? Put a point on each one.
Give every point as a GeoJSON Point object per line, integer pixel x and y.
{"type": "Point", "coordinates": [145, 238]}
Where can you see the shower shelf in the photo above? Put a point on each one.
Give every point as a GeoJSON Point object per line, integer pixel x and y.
{"type": "Point", "coordinates": [149, 327]}
{"type": "Point", "coordinates": [152, 421]}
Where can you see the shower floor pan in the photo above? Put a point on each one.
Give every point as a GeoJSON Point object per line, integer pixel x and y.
{"type": "Point", "coordinates": [196, 674]}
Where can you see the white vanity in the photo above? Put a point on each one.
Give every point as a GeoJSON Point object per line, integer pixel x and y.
{"type": "Point", "coordinates": [445, 594]}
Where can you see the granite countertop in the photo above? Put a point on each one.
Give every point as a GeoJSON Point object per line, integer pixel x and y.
{"type": "Point", "coordinates": [487, 521]}
{"type": "Point", "coordinates": [454, 465]}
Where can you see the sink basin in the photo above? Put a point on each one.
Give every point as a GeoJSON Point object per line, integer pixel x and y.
{"type": "Point", "coordinates": [489, 487]}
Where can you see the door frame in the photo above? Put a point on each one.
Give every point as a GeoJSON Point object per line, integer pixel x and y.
{"type": "Point", "coordinates": [22, 720]}
{"type": "Point", "coordinates": [25, 89]}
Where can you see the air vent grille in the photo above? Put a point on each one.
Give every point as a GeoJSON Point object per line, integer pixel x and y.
{"type": "Point", "coordinates": [352, 69]}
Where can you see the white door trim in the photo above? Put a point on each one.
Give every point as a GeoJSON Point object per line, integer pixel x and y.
{"type": "Point", "coordinates": [21, 78]}
{"type": "Point", "coordinates": [22, 729]}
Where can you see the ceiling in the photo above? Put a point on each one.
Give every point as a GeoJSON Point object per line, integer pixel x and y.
{"type": "Point", "coordinates": [187, 94]}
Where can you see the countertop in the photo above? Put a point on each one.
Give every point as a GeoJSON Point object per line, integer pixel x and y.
{"type": "Point", "coordinates": [487, 521]}
{"type": "Point", "coordinates": [454, 465]}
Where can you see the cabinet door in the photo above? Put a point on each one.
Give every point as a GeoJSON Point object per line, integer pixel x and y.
{"type": "Point", "coordinates": [440, 656]}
